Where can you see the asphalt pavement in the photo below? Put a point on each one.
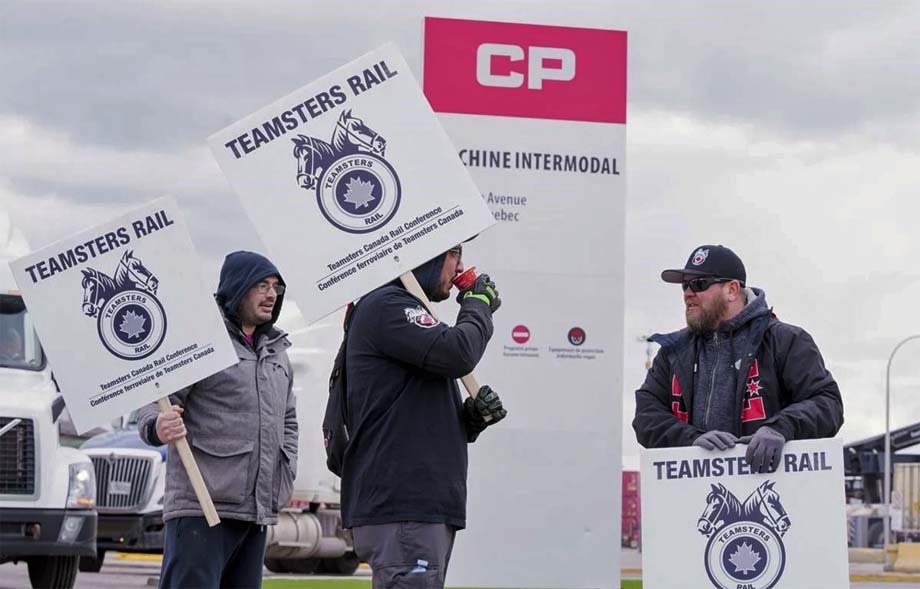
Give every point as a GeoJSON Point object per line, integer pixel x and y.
{"type": "Point", "coordinates": [129, 571]}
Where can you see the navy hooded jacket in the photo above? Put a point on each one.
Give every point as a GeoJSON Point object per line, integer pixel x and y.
{"type": "Point", "coordinates": [241, 271]}
{"type": "Point", "coordinates": [407, 456]}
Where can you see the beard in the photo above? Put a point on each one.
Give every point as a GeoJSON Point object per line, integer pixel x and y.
{"type": "Point", "coordinates": [438, 295]}
{"type": "Point", "coordinates": [706, 320]}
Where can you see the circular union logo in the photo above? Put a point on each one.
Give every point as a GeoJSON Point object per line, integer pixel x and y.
{"type": "Point", "coordinates": [358, 193]}
{"type": "Point", "coordinates": [520, 334]}
{"type": "Point", "coordinates": [132, 324]}
{"type": "Point", "coordinates": [745, 554]}
{"type": "Point", "coordinates": [576, 336]}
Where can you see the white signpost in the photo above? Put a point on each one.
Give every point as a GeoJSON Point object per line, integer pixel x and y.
{"type": "Point", "coordinates": [124, 316]}
{"type": "Point", "coordinates": [538, 115]}
{"type": "Point", "coordinates": [350, 181]}
{"type": "Point", "coordinates": [708, 522]}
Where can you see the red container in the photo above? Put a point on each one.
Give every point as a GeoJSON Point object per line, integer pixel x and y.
{"type": "Point", "coordinates": [632, 510]}
{"type": "Point", "coordinates": [466, 279]}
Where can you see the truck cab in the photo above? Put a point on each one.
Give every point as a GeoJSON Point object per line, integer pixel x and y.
{"type": "Point", "coordinates": [130, 483]}
{"type": "Point", "coordinates": [47, 490]}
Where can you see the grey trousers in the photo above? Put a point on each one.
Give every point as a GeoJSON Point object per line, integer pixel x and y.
{"type": "Point", "coordinates": [406, 555]}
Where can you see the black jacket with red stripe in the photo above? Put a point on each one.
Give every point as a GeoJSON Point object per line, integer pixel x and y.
{"type": "Point", "coordinates": [786, 387]}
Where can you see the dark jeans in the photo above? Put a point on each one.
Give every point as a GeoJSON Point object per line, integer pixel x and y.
{"type": "Point", "coordinates": [196, 556]}
{"type": "Point", "coordinates": [406, 555]}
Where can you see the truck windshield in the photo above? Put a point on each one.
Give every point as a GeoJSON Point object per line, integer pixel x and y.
{"type": "Point", "coordinates": [19, 345]}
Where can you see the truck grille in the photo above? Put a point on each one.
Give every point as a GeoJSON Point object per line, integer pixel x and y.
{"type": "Point", "coordinates": [122, 482]}
{"type": "Point", "coordinates": [17, 458]}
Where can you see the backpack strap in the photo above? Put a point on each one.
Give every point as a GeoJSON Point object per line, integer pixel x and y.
{"type": "Point", "coordinates": [335, 421]}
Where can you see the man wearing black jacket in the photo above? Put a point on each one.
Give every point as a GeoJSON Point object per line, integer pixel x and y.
{"type": "Point", "coordinates": [735, 374]}
{"type": "Point", "coordinates": [405, 466]}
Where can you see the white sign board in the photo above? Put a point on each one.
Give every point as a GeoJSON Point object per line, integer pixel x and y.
{"type": "Point", "coordinates": [123, 313]}
{"type": "Point", "coordinates": [543, 133]}
{"type": "Point", "coordinates": [350, 181]}
{"type": "Point", "coordinates": [708, 522]}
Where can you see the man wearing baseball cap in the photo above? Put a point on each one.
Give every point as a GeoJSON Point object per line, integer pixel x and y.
{"type": "Point", "coordinates": [735, 374]}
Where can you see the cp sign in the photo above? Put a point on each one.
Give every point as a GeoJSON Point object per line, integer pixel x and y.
{"type": "Point", "coordinates": [562, 62]}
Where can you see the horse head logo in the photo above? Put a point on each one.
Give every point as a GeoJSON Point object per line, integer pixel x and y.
{"type": "Point", "coordinates": [97, 287]}
{"type": "Point", "coordinates": [131, 322]}
{"type": "Point", "coordinates": [745, 540]}
{"type": "Point", "coordinates": [766, 499]}
{"type": "Point", "coordinates": [131, 272]}
{"type": "Point", "coordinates": [351, 135]}
{"type": "Point", "coordinates": [722, 507]}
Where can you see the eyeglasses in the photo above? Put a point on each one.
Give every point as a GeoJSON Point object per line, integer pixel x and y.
{"type": "Point", "coordinates": [457, 251]}
{"type": "Point", "coordinates": [264, 287]}
{"type": "Point", "coordinates": [701, 284]}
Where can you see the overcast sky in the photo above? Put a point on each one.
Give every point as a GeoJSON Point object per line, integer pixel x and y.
{"type": "Point", "coordinates": [790, 133]}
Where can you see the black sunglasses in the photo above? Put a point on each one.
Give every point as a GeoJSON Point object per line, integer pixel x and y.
{"type": "Point", "coordinates": [701, 284]}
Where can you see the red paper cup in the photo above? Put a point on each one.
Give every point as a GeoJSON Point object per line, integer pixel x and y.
{"type": "Point", "coordinates": [466, 279]}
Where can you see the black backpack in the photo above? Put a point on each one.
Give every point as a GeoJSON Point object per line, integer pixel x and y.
{"type": "Point", "coordinates": [335, 428]}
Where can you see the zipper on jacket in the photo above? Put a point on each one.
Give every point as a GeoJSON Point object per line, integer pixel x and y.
{"type": "Point", "coordinates": [712, 380]}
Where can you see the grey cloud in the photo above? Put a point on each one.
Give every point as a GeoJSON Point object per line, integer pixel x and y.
{"type": "Point", "coordinates": [802, 69]}
{"type": "Point", "coordinates": [169, 74]}
{"type": "Point", "coordinates": [165, 75]}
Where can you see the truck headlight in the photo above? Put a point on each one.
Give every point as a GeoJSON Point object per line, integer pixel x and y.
{"type": "Point", "coordinates": [82, 491]}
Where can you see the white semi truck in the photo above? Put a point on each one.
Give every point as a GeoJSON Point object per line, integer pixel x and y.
{"type": "Point", "coordinates": [47, 490]}
{"type": "Point", "coordinates": [308, 536]}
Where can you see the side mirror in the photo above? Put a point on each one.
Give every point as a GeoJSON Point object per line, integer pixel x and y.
{"type": "Point", "coordinates": [57, 407]}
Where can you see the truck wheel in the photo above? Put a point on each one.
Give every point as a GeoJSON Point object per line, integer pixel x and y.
{"type": "Point", "coordinates": [876, 535]}
{"type": "Point", "coordinates": [302, 566]}
{"type": "Point", "coordinates": [346, 564]}
{"type": "Point", "coordinates": [89, 564]}
{"type": "Point", "coordinates": [276, 565]}
{"type": "Point", "coordinates": [53, 572]}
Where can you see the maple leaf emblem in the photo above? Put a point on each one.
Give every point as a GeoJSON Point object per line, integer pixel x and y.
{"type": "Point", "coordinates": [132, 325]}
{"type": "Point", "coordinates": [359, 193]}
{"type": "Point", "coordinates": [753, 387]}
{"type": "Point", "coordinates": [745, 559]}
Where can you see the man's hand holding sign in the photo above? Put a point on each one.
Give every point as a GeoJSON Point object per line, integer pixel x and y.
{"type": "Point", "coordinates": [370, 209]}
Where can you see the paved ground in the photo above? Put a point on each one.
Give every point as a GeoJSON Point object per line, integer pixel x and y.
{"type": "Point", "coordinates": [127, 573]}
{"type": "Point", "coordinates": [115, 574]}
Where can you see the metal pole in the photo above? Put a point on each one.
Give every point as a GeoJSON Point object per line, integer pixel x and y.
{"type": "Point", "coordinates": [887, 481]}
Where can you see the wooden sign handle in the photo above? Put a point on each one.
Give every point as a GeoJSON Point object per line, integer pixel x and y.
{"type": "Point", "coordinates": [411, 283]}
{"type": "Point", "coordinates": [194, 475]}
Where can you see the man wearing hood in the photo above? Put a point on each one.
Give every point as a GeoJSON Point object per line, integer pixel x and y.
{"type": "Point", "coordinates": [735, 374]}
{"type": "Point", "coordinates": [242, 428]}
{"type": "Point", "coordinates": [405, 466]}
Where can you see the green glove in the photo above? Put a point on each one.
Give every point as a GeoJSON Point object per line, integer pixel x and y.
{"type": "Point", "coordinates": [484, 290]}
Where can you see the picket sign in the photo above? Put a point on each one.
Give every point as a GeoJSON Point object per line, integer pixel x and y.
{"type": "Point", "coordinates": [373, 190]}
{"type": "Point", "coordinates": [145, 326]}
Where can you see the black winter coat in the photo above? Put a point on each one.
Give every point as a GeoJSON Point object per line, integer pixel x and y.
{"type": "Point", "coordinates": [407, 456]}
{"type": "Point", "coordinates": [786, 387]}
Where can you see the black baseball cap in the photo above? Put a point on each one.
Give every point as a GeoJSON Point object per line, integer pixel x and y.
{"type": "Point", "coordinates": [708, 260]}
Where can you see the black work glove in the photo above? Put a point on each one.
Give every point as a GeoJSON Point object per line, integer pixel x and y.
{"type": "Point", "coordinates": [716, 440]}
{"type": "Point", "coordinates": [484, 290]}
{"type": "Point", "coordinates": [485, 410]}
{"type": "Point", "coordinates": [765, 448]}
